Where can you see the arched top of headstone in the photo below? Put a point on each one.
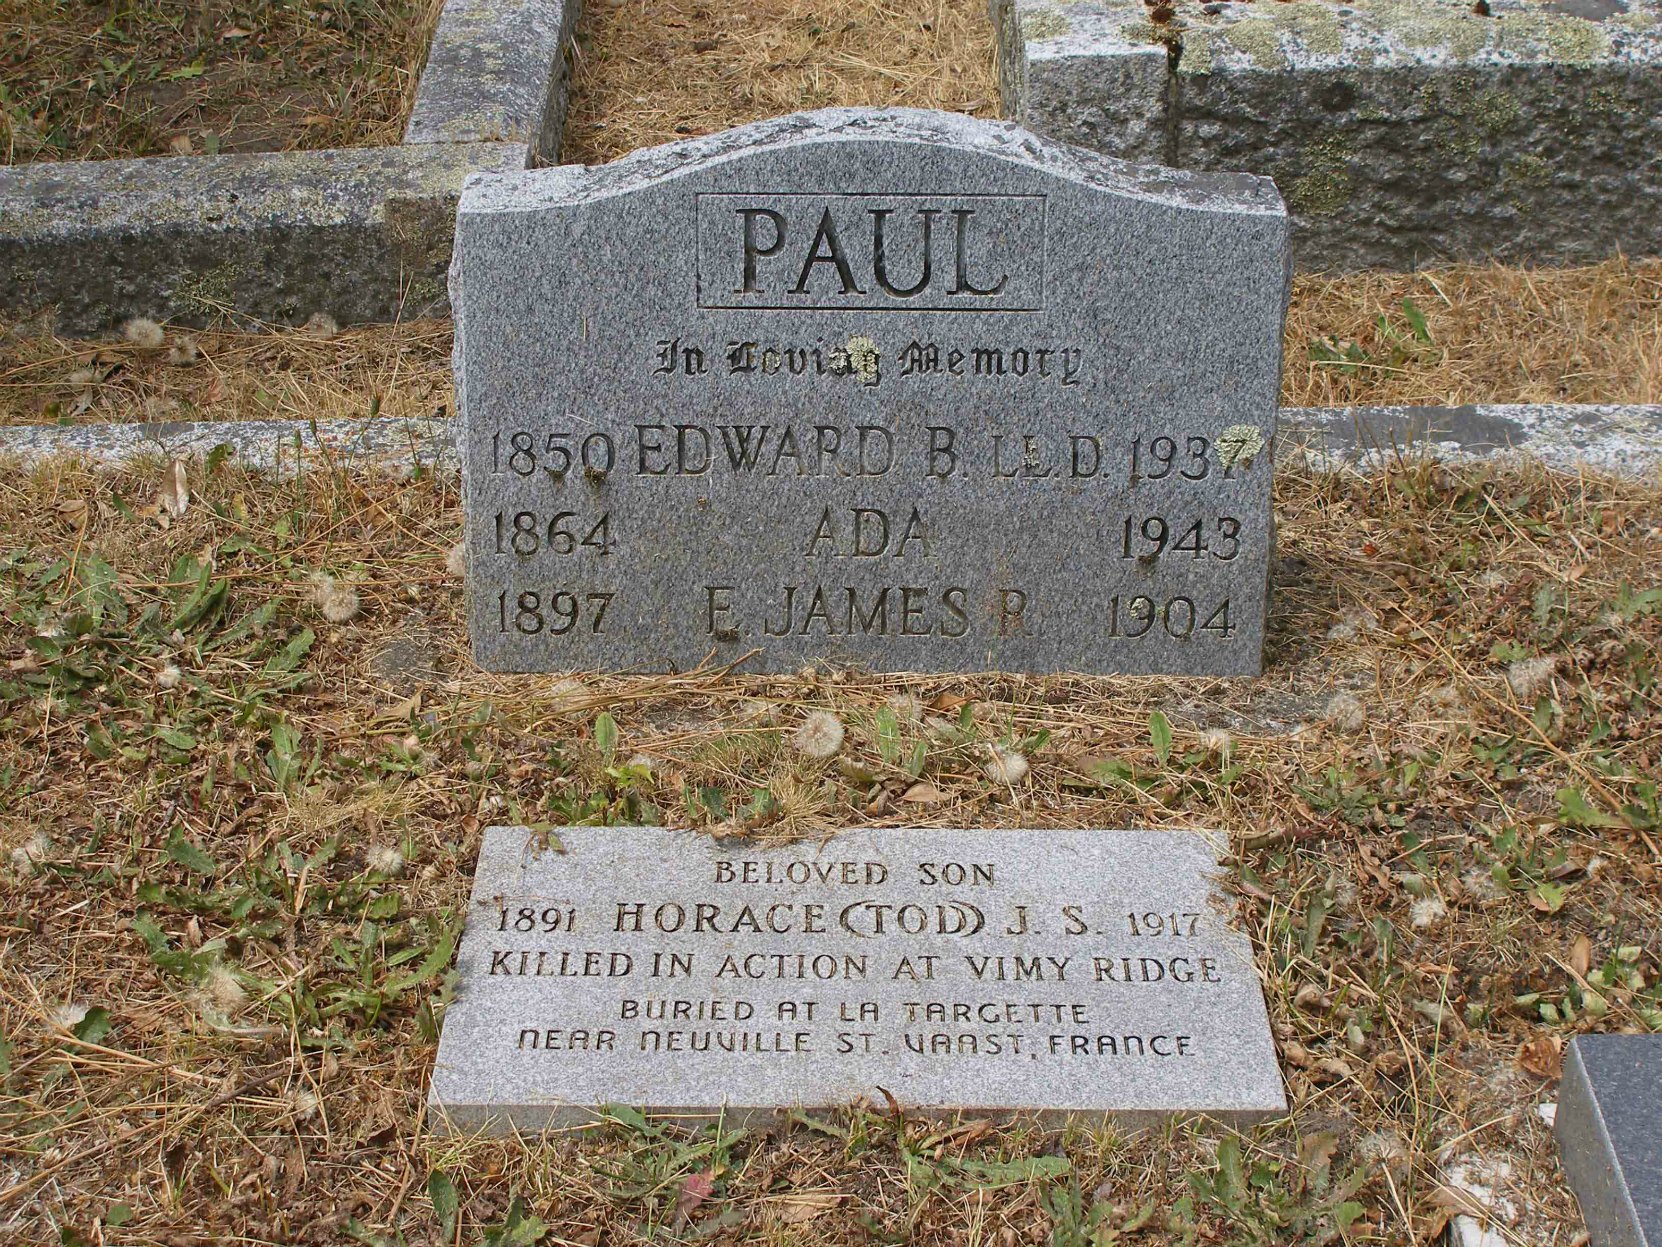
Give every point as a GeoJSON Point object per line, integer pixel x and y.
{"type": "Point", "coordinates": [930, 135]}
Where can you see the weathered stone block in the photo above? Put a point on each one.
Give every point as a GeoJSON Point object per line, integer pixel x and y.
{"type": "Point", "coordinates": [497, 72]}
{"type": "Point", "coordinates": [1065, 973]}
{"type": "Point", "coordinates": [1400, 131]}
{"type": "Point", "coordinates": [900, 389]}
{"type": "Point", "coordinates": [360, 234]}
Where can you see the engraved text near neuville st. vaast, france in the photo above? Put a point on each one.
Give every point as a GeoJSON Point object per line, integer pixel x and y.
{"type": "Point", "coordinates": [774, 254]}
{"type": "Point", "coordinates": [1062, 968]}
{"type": "Point", "coordinates": [1073, 948]}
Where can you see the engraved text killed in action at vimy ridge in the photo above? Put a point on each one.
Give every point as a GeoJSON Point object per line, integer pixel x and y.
{"type": "Point", "coordinates": [901, 389]}
{"type": "Point", "coordinates": [1062, 971]}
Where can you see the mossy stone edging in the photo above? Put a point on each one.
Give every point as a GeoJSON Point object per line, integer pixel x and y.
{"type": "Point", "coordinates": [355, 234]}
{"type": "Point", "coordinates": [1400, 131]}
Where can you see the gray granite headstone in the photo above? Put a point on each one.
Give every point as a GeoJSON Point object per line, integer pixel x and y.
{"type": "Point", "coordinates": [1055, 972]}
{"type": "Point", "coordinates": [1609, 1132]}
{"type": "Point", "coordinates": [903, 389]}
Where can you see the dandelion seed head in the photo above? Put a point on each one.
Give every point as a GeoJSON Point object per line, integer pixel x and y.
{"type": "Point", "coordinates": [1005, 765]}
{"type": "Point", "coordinates": [1345, 712]}
{"type": "Point", "coordinates": [144, 333]}
{"type": "Point", "coordinates": [69, 1014]}
{"type": "Point", "coordinates": [1530, 677]}
{"type": "Point", "coordinates": [338, 603]}
{"type": "Point", "coordinates": [223, 991]}
{"type": "Point", "coordinates": [1427, 912]}
{"type": "Point", "coordinates": [820, 735]}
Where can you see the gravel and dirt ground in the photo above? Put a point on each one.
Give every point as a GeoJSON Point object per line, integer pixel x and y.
{"type": "Point", "coordinates": [244, 762]}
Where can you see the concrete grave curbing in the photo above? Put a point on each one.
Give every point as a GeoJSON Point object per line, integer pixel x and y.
{"type": "Point", "coordinates": [264, 238]}
{"type": "Point", "coordinates": [1400, 131]}
{"type": "Point", "coordinates": [358, 234]}
{"type": "Point", "coordinates": [497, 72]}
{"type": "Point", "coordinates": [1624, 440]}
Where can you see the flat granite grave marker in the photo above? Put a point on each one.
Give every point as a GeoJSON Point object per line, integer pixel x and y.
{"type": "Point", "coordinates": [903, 389]}
{"type": "Point", "coordinates": [1609, 1133]}
{"type": "Point", "coordinates": [1054, 972]}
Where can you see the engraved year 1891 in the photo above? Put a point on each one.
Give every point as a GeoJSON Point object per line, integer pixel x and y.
{"type": "Point", "coordinates": [545, 918]}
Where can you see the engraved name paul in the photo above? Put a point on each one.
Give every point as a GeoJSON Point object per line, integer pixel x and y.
{"type": "Point", "coordinates": [871, 252]}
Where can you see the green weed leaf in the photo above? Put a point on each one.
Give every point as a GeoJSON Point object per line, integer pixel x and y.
{"type": "Point", "coordinates": [888, 736]}
{"type": "Point", "coordinates": [189, 855]}
{"type": "Point", "coordinates": [518, 1229]}
{"type": "Point", "coordinates": [605, 737]}
{"type": "Point", "coordinates": [1159, 731]}
{"type": "Point", "coordinates": [95, 1027]}
{"type": "Point", "coordinates": [435, 964]}
{"type": "Point", "coordinates": [1575, 810]}
{"type": "Point", "coordinates": [442, 1191]}
{"type": "Point", "coordinates": [1416, 321]}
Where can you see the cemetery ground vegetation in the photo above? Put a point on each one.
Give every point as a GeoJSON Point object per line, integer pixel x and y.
{"type": "Point", "coordinates": [740, 63]}
{"type": "Point", "coordinates": [1459, 334]}
{"type": "Point", "coordinates": [245, 763]}
{"type": "Point", "coordinates": [107, 78]}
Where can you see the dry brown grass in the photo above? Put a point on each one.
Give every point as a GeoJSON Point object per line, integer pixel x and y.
{"type": "Point", "coordinates": [1406, 1047]}
{"type": "Point", "coordinates": [99, 79]}
{"type": "Point", "coordinates": [1498, 335]}
{"type": "Point", "coordinates": [650, 71]}
{"type": "Point", "coordinates": [385, 370]}
{"type": "Point", "coordinates": [294, 1115]}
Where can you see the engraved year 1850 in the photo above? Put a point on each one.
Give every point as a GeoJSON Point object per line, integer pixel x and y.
{"type": "Point", "coordinates": [555, 454]}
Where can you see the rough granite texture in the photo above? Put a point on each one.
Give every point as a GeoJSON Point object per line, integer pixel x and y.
{"type": "Point", "coordinates": [496, 72]}
{"type": "Point", "coordinates": [1625, 440]}
{"type": "Point", "coordinates": [1037, 443]}
{"type": "Point", "coordinates": [1400, 131]}
{"type": "Point", "coordinates": [1068, 973]}
{"type": "Point", "coordinates": [273, 237]}
{"type": "Point", "coordinates": [274, 444]}
{"type": "Point", "coordinates": [1622, 440]}
{"type": "Point", "coordinates": [1609, 1133]}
